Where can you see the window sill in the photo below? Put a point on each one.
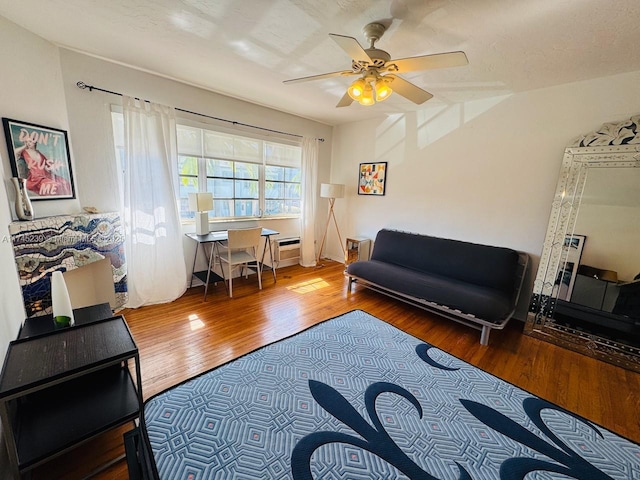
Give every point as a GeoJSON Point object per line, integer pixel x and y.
{"type": "Point", "coordinates": [247, 219]}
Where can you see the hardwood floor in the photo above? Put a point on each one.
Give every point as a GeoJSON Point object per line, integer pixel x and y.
{"type": "Point", "coordinates": [189, 336]}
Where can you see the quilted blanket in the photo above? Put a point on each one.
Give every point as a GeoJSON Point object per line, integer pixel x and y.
{"type": "Point", "coordinates": [356, 398]}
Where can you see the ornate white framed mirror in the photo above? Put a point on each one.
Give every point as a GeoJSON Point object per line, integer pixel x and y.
{"type": "Point", "coordinates": [586, 294]}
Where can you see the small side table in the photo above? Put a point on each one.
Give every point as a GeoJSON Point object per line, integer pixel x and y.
{"type": "Point", "coordinates": [61, 388]}
{"type": "Point", "coordinates": [357, 249]}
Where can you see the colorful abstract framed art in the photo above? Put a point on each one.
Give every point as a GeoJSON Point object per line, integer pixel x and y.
{"type": "Point", "coordinates": [372, 178]}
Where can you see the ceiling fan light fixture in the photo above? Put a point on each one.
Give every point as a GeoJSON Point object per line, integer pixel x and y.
{"type": "Point", "coordinates": [356, 89]}
{"type": "Point", "coordinates": [383, 90]}
{"type": "Point", "coordinates": [377, 70]}
{"type": "Point", "coordinates": [368, 97]}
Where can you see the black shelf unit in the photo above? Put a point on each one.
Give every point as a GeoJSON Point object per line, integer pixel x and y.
{"type": "Point", "coordinates": [60, 389]}
{"type": "Point", "coordinates": [57, 418]}
{"type": "Point", "coordinates": [140, 462]}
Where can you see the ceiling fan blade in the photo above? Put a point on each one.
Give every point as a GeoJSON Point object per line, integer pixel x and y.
{"type": "Point", "coordinates": [352, 47]}
{"type": "Point", "coordinates": [345, 101]}
{"type": "Point", "coordinates": [429, 62]}
{"type": "Point", "coordinates": [345, 73]}
{"type": "Point", "coordinates": [408, 90]}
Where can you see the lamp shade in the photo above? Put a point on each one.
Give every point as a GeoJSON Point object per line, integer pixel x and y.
{"type": "Point", "coordinates": [368, 96]}
{"type": "Point", "coordinates": [331, 190]}
{"type": "Point", "coordinates": [200, 202]}
{"type": "Point", "coordinates": [356, 89]}
{"type": "Point", "coordinates": [383, 90]}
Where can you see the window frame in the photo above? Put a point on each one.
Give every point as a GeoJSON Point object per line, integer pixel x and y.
{"type": "Point", "coordinates": [203, 177]}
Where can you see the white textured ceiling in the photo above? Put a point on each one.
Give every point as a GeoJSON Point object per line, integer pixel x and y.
{"type": "Point", "coordinates": [246, 48]}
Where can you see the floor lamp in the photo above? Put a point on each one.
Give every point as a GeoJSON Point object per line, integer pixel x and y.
{"type": "Point", "coordinates": [330, 191]}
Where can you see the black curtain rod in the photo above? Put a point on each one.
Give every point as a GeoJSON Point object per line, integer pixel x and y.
{"type": "Point", "coordinates": [84, 86]}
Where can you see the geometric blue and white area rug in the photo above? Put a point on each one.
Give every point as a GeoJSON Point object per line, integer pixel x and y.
{"type": "Point", "coordinates": [356, 398]}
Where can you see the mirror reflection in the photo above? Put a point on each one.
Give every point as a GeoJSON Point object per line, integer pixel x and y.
{"type": "Point", "coordinates": [610, 217]}
{"type": "Point", "coordinates": [586, 294]}
{"type": "Point", "coordinates": [599, 281]}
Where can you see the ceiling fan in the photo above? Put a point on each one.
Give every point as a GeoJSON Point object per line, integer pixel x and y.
{"type": "Point", "coordinates": [378, 73]}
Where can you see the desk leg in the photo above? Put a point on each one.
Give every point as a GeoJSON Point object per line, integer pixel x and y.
{"type": "Point", "coordinates": [211, 256]}
{"type": "Point", "coordinates": [193, 267]}
{"type": "Point", "coordinates": [224, 279]}
{"type": "Point", "coordinates": [273, 265]}
{"type": "Point", "coordinates": [264, 251]}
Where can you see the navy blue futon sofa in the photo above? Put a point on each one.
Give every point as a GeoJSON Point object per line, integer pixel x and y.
{"type": "Point", "coordinates": [474, 284]}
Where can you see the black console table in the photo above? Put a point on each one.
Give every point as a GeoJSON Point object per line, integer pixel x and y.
{"type": "Point", "coordinates": [61, 388]}
{"type": "Point", "coordinates": [44, 324]}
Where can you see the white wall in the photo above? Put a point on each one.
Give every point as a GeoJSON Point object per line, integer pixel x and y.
{"type": "Point", "coordinates": [483, 171]}
{"type": "Point", "coordinates": [32, 91]}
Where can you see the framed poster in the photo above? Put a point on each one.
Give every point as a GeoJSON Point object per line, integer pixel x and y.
{"type": "Point", "coordinates": [372, 178]}
{"type": "Point", "coordinates": [41, 156]}
{"type": "Point", "coordinates": [569, 263]}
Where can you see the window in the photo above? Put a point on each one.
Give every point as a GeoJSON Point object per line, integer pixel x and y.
{"type": "Point", "coordinates": [248, 177]}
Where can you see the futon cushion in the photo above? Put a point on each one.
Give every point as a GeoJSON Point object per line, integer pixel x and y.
{"type": "Point", "coordinates": [481, 265]}
{"type": "Point", "coordinates": [484, 302]}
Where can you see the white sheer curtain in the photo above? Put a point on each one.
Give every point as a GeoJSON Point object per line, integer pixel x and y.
{"type": "Point", "coordinates": [156, 271]}
{"type": "Point", "coordinates": [308, 219]}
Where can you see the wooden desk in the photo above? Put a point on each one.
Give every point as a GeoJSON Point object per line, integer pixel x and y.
{"type": "Point", "coordinates": [213, 239]}
{"type": "Point", "coordinates": [62, 388]}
